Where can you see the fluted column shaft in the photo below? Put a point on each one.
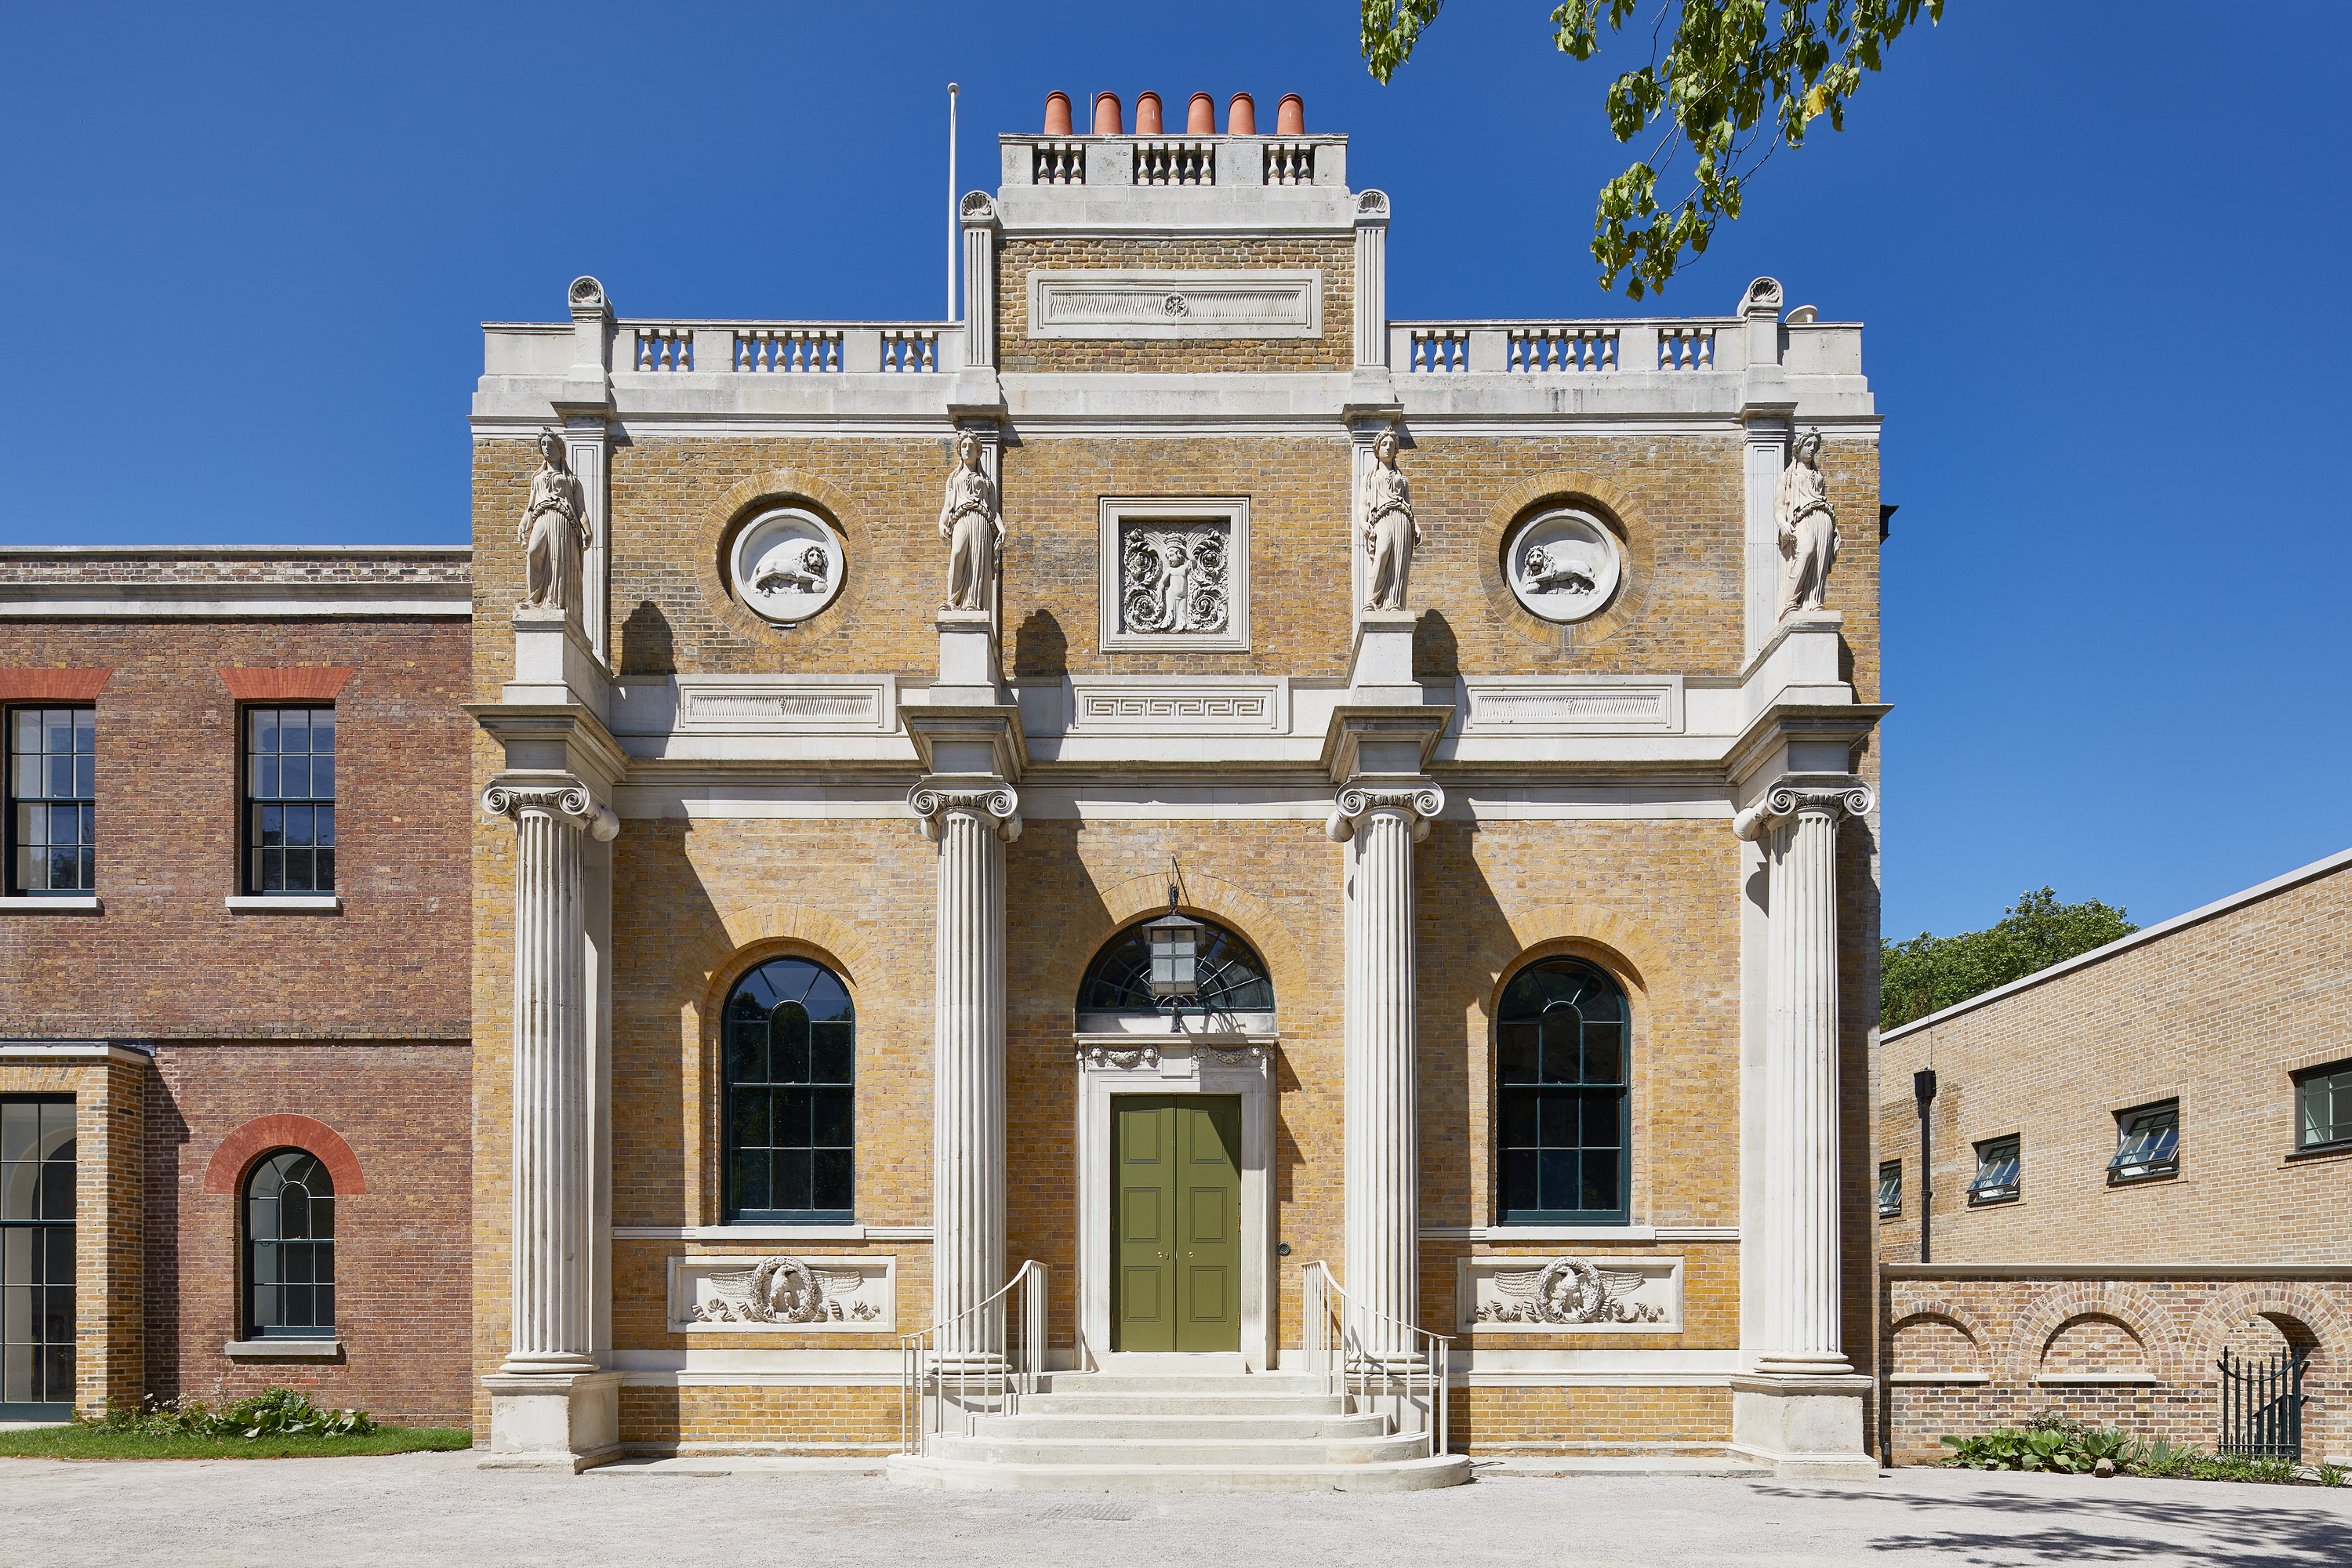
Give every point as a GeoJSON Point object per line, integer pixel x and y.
{"type": "Point", "coordinates": [1379, 1173]}
{"type": "Point", "coordinates": [553, 1326]}
{"type": "Point", "coordinates": [967, 1058]}
{"type": "Point", "coordinates": [1799, 1238]}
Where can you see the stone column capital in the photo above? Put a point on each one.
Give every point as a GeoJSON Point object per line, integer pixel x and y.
{"type": "Point", "coordinates": [1834, 796]}
{"type": "Point", "coordinates": [1417, 801]}
{"type": "Point", "coordinates": [567, 800]}
{"type": "Point", "coordinates": [996, 805]}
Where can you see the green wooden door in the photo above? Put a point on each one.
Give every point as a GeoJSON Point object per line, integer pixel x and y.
{"type": "Point", "coordinates": [1176, 1177]}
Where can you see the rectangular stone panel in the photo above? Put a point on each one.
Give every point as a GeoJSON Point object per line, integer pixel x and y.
{"type": "Point", "coordinates": [1569, 1293]}
{"type": "Point", "coordinates": [780, 1292]}
{"type": "Point", "coordinates": [1121, 303]}
{"type": "Point", "coordinates": [1594, 705]}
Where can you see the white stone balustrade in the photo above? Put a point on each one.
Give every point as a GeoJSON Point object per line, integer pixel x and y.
{"type": "Point", "coordinates": [1538, 349]}
{"type": "Point", "coordinates": [1176, 162]}
{"type": "Point", "coordinates": [1604, 348]}
{"type": "Point", "coordinates": [1686, 347]}
{"type": "Point", "coordinates": [789, 348]}
{"type": "Point", "coordinates": [1208, 162]}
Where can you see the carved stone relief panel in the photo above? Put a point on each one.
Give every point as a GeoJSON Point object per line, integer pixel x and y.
{"type": "Point", "coordinates": [1598, 1293]}
{"type": "Point", "coordinates": [1175, 575]}
{"type": "Point", "coordinates": [784, 1292]}
{"type": "Point", "coordinates": [1564, 566]}
{"type": "Point", "coordinates": [786, 564]}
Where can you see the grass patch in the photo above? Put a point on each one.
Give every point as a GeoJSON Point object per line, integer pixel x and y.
{"type": "Point", "coordinates": [85, 1440]}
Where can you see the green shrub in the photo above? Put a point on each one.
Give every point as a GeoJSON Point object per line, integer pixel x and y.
{"type": "Point", "coordinates": [272, 1413]}
{"type": "Point", "coordinates": [2056, 1441]}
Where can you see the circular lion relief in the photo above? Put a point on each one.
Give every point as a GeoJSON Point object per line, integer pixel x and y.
{"type": "Point", "coordinates": [786, 564]}
{"type": "Point", "coordinates": [1564, 566]}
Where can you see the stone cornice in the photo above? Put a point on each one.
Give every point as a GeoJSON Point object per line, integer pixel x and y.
{"type": "Point", "coordinates": [553, 738]}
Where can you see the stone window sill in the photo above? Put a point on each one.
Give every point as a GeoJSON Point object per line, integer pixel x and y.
{"type": "Point", "coordinates": [281, 1350]}
{"type": "Point", "coordinates": [22, 905]}
{"type": "Point", "coordinates": [2094, 1379]}
{"type": "Point", "coordinates": [2320, 1151]}
{"type": "Point", "coordinates": [285, 904]}
{"type": "Point", "coordinates": [1925, 1378]}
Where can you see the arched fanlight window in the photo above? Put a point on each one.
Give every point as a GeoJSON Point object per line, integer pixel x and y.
{"type": "Point", "coordinates": [290, 1230]}
{"type": "Point", "coordinates": [1559, 1040]}
{"type": "Point", "coordinates": [790, 1050]}
{"type": "Point", "coordinates": [1229, 977]}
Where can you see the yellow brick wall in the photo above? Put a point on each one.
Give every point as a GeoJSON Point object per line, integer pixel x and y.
{"type": "Point", "coordinates": [1627, 1420]}
{"type": "Point", "coordinates": [1334, 351]}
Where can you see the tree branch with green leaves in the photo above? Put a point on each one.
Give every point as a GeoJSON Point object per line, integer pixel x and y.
{"type": "Point", "coordinates": [1729, 81]}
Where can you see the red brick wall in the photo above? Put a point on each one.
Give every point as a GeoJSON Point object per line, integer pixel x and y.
{"type": "Point", "coordinates": [176, 963]}
{"type": "Point", "coordinates": [403, 1267]}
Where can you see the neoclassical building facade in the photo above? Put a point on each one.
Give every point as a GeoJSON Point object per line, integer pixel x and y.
{"type": "Point", "coordinates": [1181, 779]}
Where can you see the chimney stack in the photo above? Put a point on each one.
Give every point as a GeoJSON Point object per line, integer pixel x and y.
{"type": "Point", "coordinates": [1241, 116]}
{"type": "Point", "coordinates": [1057, 114]}
{"type": "Point", "coordinates": [1107, 115]}
{"type": "Point", "coordinates": [1147, 115]}
{"type": "Point", "coordinates": [1201, 116]}
{"type": "Point", "coordinates": [1290, 116]}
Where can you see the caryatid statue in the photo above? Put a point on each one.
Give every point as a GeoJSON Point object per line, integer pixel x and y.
{"type": "Point", "coordinates": [973, 529]}
{"type": "Point", "coordinates": [1808, 528]}
{"type": "Point", "coordinates": [1391, 534]}
{"type": "Point", "coordinates": [554, 532]}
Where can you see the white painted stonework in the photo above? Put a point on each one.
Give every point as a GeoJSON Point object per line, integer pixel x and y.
{"type": "Point", "coordinates": [1593, 704]}
{"type": "Point", "coordinates": [784, 1292]}
{"type": "Point", "coordinates": [1174, 574]}
{"type": "Point", "coordinates": [1565, 565]}
{"type": "Point", "coordinates": [787, 564]}
{"type": "Point", "coordinates": [1588, 1293]}
{"type": "Point", "coordinates": [1081, 302]}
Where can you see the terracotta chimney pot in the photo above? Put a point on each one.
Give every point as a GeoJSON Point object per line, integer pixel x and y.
{"type": "Point", "coordinates": [1201, 116]}
{"type": "Point", "coordinates": [1107, 115]}
{"type": "Point", "coordinates": [1057, 114]}
{"type": "Point", "coordinates": [1147, 115]}
{"type": "Point", "coordinates": [1241, 116]}
{"type": "Point", "coordinates": [1290, 116]}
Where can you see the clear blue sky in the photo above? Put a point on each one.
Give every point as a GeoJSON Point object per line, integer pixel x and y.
{"type": "Point", "coordinates": [2100, 248]}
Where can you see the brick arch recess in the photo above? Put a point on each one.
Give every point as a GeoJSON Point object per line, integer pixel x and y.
{"type": "Point", "coordinates": [1570, 488]}
{"type": "Point", "coordinates": [246, 1144]}
{"type": "Point", "coordinates": [772, 487]}
{"type": "Point", "coordinates": [2273, 1298]}
{"type": "Point", "coordinates": [2031, 1333]}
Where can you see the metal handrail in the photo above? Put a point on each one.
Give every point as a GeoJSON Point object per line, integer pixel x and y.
{"type": "Point", "coordinates": [997, 1355]}
{"type": "Point", "coordinates": [1412, 1380]}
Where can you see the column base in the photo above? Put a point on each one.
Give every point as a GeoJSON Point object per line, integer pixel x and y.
{"type": "Point", "coordinates": [561, 1421]}
{"type": "Point", "coordinates": [1806, 1429]}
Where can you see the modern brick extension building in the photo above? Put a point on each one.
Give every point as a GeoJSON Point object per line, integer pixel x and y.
{"type": "Point", "coordinates": [176, 1015]}
{"type": "Point", "coordinates": [2139, 1160]}
{"type": "Point", "coordinates": [1294, 957]}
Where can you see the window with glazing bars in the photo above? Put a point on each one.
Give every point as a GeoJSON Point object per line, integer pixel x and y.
{"type": "Point", "coordinates": [1890, 1188]}
{"type": "Point", "coordinates": [53, 801]}
{"type": "Point", "coordinates": [289, 786]}
{"type": "Point", "coordinates": [790, 1050]}
{"type": "Point", "coordinates": [289, 1241]}
{"type": "Point", "coordinates": [2324, 1100]}
{"type": "Point", "coordinates": [1561, 1092]}
{"type": "Point", "coordinates": [1996, 1171]}
{"type": "Point", "coordinates": [2148, 1143]}
{"type": "Point", "coordinates": [37, 1257]}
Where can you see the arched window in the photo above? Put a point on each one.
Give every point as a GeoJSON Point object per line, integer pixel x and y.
{"type": "Point", "coordinates": [1235, 990]}
{"type": "Point", "coordinates": [289, 1248]}
{"type": "Point", "coordinates": [1560, 1084]}
{"type": "Point", "coordinates": [790, 1049]}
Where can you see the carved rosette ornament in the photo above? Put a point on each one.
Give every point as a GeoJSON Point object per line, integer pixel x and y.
{"type": "Point", "coordinates": [1419, 803]}
{"type": "Point", "coordinates": [998, 807]}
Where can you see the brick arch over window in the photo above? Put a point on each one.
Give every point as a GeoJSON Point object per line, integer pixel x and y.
{"type": "Point", "coordinates": [1587, 492]}
{"type": "Point", "coordinates": [1229, 904]}
{"type": "Point", "coordinates": [258, 1137]}
{"type": "Point", "coordinates": [774, 487]}
{"type": "Point", "coordinates": [1916, 1334]}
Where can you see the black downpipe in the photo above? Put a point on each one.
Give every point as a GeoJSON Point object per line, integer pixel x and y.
{"type": "Point", "coordinates": [1923, 1086]}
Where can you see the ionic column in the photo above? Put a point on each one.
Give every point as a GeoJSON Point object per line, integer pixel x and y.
{"type": "Point", "coordinates": [971, 825]}
{"type": "Point", "coordinates": [1379, 1168]}
{"type": "Point", "coordinates": [553, 1322]}
{"type": "Point", "coordinates": [1796, 825]}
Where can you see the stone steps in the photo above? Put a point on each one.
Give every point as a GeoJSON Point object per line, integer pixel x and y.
{"type": "Point", "coordinates": [1170, 1431]}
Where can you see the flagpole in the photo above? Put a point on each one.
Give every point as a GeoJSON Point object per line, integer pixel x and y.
{"type": "Point", "coordinates": [951, 203]}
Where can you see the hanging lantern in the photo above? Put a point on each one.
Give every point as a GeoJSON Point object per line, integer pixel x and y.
{"type": "Point", "coordinates": [1176, 942]}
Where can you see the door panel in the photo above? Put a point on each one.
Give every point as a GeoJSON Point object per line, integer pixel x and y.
{"type": "Point", "coordinates": [1176, 1171]}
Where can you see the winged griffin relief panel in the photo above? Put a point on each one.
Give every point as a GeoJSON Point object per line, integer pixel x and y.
{"type": "Point", "coordinates": [1571, 1295]}
{"type": "Point", "coordinates": [853, 1295]}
